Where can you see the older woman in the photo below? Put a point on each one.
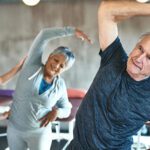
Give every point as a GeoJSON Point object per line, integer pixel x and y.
{"type": "Point", "coordinates": [40, 96]}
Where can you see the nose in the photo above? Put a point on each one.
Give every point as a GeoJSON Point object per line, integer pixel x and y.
{"type": "Point", "coordinates": [140, 57]}
{"type": "Point", "coordinates": [57, 67]}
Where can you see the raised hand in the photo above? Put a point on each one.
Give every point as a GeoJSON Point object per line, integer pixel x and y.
{"type": "Point", "coordinates": [21, 62]}
{"type": "Point", "coordinates": [81, 35]}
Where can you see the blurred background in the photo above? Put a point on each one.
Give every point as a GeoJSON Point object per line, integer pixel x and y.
{"type": "Point", "coordinates": [20, 23]}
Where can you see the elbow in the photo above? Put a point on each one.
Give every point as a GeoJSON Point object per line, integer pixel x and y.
{"type": "Point", "coordinates": [102, 10]}
{"type": "Point", "coordinates": [105, 10]}
{"type": "Point", "coordinates": [68, 114]}
{"type": "Point", "coordinates": [64, 113]}
{"type": "Point", "coordinates": [103, 7]}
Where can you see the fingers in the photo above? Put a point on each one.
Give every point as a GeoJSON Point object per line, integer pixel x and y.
{"type": "Point", "coordinates": [82, 36]}
{"type": "Point", "coordinates": [49, 117]}
{"type": "Point", "coordinates": [87, 39]}
{"type": "Point", "coordinates": [90, 41]}
{"type": "Point", "coordinates": [4, 116]}
{"type": "Point", "coordinates": [44, 123]}
{"type": "Point", "coordinates": [42, 119]}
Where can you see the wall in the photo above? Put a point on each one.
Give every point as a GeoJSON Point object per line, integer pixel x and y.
{"type": "Point", "coordinates": [19, 25]}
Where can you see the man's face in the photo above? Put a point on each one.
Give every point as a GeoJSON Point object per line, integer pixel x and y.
{"type": "Point", "coordinates": [138, 65]}
{"type": "Point", "coordinates": [55, 65]}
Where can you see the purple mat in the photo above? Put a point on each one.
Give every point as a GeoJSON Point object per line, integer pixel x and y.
{"type": "Point", "coordinates": [8, 93]}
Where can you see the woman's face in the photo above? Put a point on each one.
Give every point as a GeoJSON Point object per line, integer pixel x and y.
{"type": "Point", "coordinates": [55, 65]}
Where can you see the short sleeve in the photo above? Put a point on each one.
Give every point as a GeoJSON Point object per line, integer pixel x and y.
{"type": "Point", "coordinates": [114, 52]}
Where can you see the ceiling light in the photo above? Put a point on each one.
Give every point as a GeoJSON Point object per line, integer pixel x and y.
{"type": "Point", "coordinates": [142, 1]}
{"type": "Point", "coordinates": [31, 2]}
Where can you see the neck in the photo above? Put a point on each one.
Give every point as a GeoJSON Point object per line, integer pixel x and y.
{"type": "Point", "coordinates": [137, 77]}
{"type": "Point", "coordinates": [48, 79]}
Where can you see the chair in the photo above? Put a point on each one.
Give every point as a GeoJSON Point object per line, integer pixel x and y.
{"type": "Point", "coordinates": [75, 97]}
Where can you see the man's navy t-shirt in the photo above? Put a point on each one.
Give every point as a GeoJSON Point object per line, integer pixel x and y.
{"type": "Point", "coordinates": [114, 108]}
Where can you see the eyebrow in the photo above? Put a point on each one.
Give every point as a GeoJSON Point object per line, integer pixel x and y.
{"type": "Point", "coordinates": [148, 55]}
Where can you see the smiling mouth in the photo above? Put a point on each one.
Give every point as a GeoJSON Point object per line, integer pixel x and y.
{"type": "Point", "coordinates": [136, 64]}
{"type": "Point", "coordinates": [51, 72]}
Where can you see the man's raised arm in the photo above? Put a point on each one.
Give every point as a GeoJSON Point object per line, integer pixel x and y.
{"type": "Point", "coordinates": [111, 12]}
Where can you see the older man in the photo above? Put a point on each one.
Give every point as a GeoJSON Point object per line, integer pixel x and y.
{"type": "Point", "coordinates": [118, 102]}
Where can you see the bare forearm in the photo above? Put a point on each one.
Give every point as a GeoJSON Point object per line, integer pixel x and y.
{"type": "Point", "coordinates": [10, 74]}
{"type": "Point", "coordinates": [111, 12]}
{"type": "Point", "coordinates": [49, 117]}
{"type": "Point", "coordinates": [124, 9]}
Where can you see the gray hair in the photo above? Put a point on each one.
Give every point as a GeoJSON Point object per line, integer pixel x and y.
{"type": "Point", "coordinates": [69, 55]}
{"type": "Point", "coordinates": [144, 35]}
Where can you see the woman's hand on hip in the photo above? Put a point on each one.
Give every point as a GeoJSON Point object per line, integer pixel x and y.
{"type": "Point", "coordinates": [49, 117]}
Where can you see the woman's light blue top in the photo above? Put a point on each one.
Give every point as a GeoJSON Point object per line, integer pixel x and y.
{"type": "Point", "coordinates": [28, 105]}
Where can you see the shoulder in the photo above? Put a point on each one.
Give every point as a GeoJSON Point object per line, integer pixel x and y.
{"type": "Point", "coordinates": [113, 54]}
{"type": "Point", "coordinates": [113, 46]}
